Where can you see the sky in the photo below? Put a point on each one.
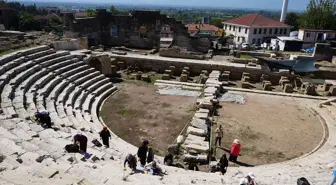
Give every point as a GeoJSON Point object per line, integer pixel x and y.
{"type": "Point", "coordinates": [255, 4]}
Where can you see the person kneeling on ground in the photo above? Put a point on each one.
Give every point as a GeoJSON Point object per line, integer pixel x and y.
{"type": "Point", "coordinates": [43, 117]}
{"type": "Point", "coordinates": [223, 164]}
{"type": "Point", "coordinates": [132, 162]}
{"type": "Point", "coordinates": [168, 159]}
{"type": "Point", "coordinates": [154, 169]}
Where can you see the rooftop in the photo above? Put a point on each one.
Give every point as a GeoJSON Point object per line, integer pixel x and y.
{"type": "Point", "coordinates": [317, 30]}
{"type": "Point", "coordinates": [256, 20]}
{"type": "Point", "coordinates": [289, 39]}
{"type": "Point", "coordinates": [196, 27]}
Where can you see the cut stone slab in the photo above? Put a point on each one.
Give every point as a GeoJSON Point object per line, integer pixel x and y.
{"type": "Point", "coordinates": [10, 147]}
{"type": "Point", "coordinates": [201, 115]}
{"type": "Point", "coordinates": [195, 158]}
{"type": "Point", "coordinates": [332, 90]}
{"type": "Point", "coordinates": [288, 88]}
{"type": "Point", "coordinates": [48, 133]}
{"type": "Point", "coordinates": [197, 147]}
{"type": "Point", "coordinates": [165, 77]}
{"type": "Point", "coordinates": [192, 139]}
{"type": "Point", "coordinates": [245, 85]}
{"type": "Point", "coordinates": [199, 123]}
{"type": "Point", "coordinates": [196, 131]}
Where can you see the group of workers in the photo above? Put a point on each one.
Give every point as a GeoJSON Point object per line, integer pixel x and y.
{"type": "Point", "coordinates": [146, 158]}
{"type": "Point", "coordinates": [235, 146]}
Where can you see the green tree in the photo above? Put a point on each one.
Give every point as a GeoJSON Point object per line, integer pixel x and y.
{"type": "Point", "coordinates": [114, 11]}
{"type": "Point", "coordinates": [217, 22]}
{"type": "Point", "coordinates": [292, 19]}
{"type": "Point", "coordinates": [27, 22]}
{"type": "Point", "coordinates": [320, 14]}
{"type": "Point", "coordinates": [91, 13]}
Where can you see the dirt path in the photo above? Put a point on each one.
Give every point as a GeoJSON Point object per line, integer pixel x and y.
{"type": "Point", "coordinates": [271, 128]}
{"type": "Point", "coordinates": [137, 112]}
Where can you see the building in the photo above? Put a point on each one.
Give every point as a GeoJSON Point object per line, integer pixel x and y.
{"type": "Point", "coordinates": [255, 29]}
{"type": "Point", "coordinates": [166, 31]}
{"type": "Point", "coordinates": [55, 10]}
{"type": "Point", "coordinates": [81, 15]}
{"type": "Point", "coordinates": [204, 29]}
{"type": "Point", "coordinates": [206, 20]}
{"type": "Point", "coordinates": [312, 36]}
{"type": "Point", "coordinates": [140, 29]}
{"type": "Point", "coordinates": [286, 44]}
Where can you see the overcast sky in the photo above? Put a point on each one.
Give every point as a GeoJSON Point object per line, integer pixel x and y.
{"type": "Point", "coordinates": [257, 4]}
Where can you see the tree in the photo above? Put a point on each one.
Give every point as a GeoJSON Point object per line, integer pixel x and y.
{"type": "Point", "coordinates": [320, 14]}
{"type": "Point", "coordinates": [27, 22]}
{"type": "Point", "coordinates": [91, 13]}
{"type": "Point", "coordinates": [292, 19]}
{"type": "Point", "coordinates": [114, 11]}
{"type": "Point", "coordinates": [217, 22]}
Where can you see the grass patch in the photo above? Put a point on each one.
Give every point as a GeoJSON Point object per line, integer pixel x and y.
{"type": "Point", "coordinates": [165, 105]}
{"type": "Point", "coordinates": [245, 56]}
{"type": "Point", "coordinates": [125, 112]}
{"type": "Point", "coordinates": [2, 53]}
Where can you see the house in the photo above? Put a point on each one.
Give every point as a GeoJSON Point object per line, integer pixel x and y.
{"type": "Point", "coordinates": [81, 15]}
{"type": "Point", "coordinates": [312, 36]}
{"type": "Point", "coordinates": [204, 29]}
{"type": "Point", "coordinates": [284, 43]}
{"type": "Point", "coordinates": [255, 29]}
{"type": "Point", "coordinates": [206, 20]}
{"type": "Point", "coordinates": [55, 10]}
{"type": "Point", "coordinates": [166, 31]}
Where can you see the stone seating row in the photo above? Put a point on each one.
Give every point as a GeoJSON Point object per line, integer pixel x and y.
{"type": "Point", "coordinates": [33, 94]}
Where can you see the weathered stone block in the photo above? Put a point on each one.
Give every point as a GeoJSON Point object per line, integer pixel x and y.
{"type": "Point", "coordinates": [145, 77]}
{"type": "Point", "coordinates": [284, 82]}
{"type": "Point", "coordinates": [169, 72]}
{"type": "Point", "coordinates": [245, 85]}
{"type": "Point", "coordinates": [184, 78]}
{"type": "Point", "coordinates": [185, 72]}
{"type": "Point", "coordinates": [203, 79]}
{"type": "Point", "coordinates": [288, 88]}
{"type": "Point", "coordinates": [326, 86]}
{"type": "Point", "coordinates": [165, 77]}
{"type": "Point", "coordinates": [225, 76]}
{"type": "Point", "coordinates": [267, 87]}
{"type": "Point", "coordinates": [332, 91]}
{"type": "Point", "coordinates": [186, 68]}
{"type": "Point", "coordinates": [121, 65]}
{"type": "Point", "coordinates": [310, 90]}
{"type": "Point", "coordinates": [264, 77]}
{"type": "Point", "coordinates": [245, 79]}
{"type": "Point", "coordinates": [205, 73]}
{"type": "Point", "coordinates": [245, 74]}
{"type": "Point", "coordinates": [113, 70]}
{"type": "Point", "coordinates": [138, 75]}
{"type": "Point", "coordinates": [133, 76]}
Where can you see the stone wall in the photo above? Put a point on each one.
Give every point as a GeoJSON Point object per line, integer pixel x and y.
{"type": "Point", "coordinates": [177, 52]}
{"type": "Point", "coordinates": [323, 51]}
{"type": "Point", "coordinates": [73, 44]}
{"type": "Point", "coordinates": [196, 68]}
{"type": "Point", "coordinates": [139, 30]}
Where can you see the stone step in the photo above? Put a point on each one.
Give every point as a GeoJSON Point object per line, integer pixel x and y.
{"type": "Point", "coordinates": [80, 81]}
{"type": "Point", "coordinates": [56, 60]}
{"type": "Point", "coordinates": [77, 72]}
{"type": "Point", "coordinates": [90, 82]}
{"type": "Point", "coordinates": [51, 56]}
{"type": "Point", "coordinates": [40, 54]}
{"type": "Point", "coordinates": [74, 62]}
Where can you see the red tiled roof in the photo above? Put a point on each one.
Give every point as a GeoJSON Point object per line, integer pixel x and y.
{"type": "Point", "coordinates": [196, 27]}
{"type": "Point", "coordinates": [81, 14]}
{"type": "Point", "coordinates": [256, 20]}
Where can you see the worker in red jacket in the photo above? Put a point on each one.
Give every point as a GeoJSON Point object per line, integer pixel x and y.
{"type": "Point", "coordinates": [235, 150]}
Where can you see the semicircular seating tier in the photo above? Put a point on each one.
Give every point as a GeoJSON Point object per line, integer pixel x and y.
{"type": "Point", "coordinates": [62, 83]}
